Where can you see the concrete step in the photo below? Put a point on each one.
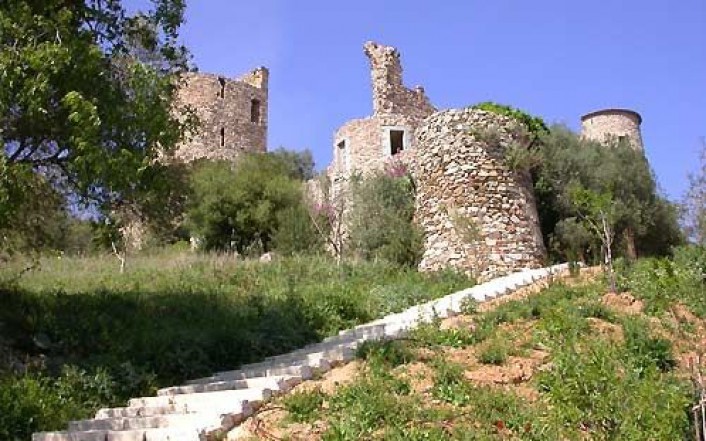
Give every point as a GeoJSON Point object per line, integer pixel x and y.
{"type": "Point", "coordinates": [303, 371]}
{"type": "Point", "coordinates": [131, 412]}
{"type": "Point", "coordinates": [164, 434]}
{"type": "Point", "coordinates": [186, 420]}
{"type": "Point", "coordinates": [279, 384]}
{"type": "Point", "coordinates": [202, 402]}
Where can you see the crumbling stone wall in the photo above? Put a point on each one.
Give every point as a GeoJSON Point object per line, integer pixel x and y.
{"type": "Point", "coordinates": [363, 145]}
{"type": "Point", "coordinates": [390, 96]}
{"type": "Point", "coordinates": [602, 125]}
{"type": "Point", "coordinates": [232, 115]}
{"type": "Point", "coordinates": [477, 214]}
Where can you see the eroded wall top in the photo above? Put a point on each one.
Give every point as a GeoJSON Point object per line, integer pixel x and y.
{"type": "Point", "coordinates": [390, 96]}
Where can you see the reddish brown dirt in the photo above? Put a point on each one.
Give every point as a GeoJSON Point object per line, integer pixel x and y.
{"type": "Point", "coordinates": [624, 303]}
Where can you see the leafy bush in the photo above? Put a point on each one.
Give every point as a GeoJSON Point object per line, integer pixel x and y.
{"type": "Point", "coordinates": [381, 220]}
{"type": "Point", "coordinates": [495, 351]}
{"type": "Point", "coordinates": [37, 401]}
{"type": "Point", "coordinates": [533, 124]}
{"type": "Point", "coordinates": [663, 282]}
{"type": "Point", "coordinates": [303, 405]}
{"type": "Point", "coordinates": [250, 206]}
{"type": "Point", "coordinates": [591, 386]}
{"type": "Point", "coordinates": [387, 353]}
{"type": "Point", "coordinates": [645, 350]}
{"type": "Point", "coordinates": [449, 384]}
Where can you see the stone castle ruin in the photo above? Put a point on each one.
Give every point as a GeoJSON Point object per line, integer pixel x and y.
{"type": "Point", "coordinates": [232, 115]}
{"type": "Point", "coordinates": [477, 212]}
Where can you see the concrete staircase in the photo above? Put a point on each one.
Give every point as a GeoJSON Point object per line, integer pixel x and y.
{"type": "Point", "coordinates": [213, 407]}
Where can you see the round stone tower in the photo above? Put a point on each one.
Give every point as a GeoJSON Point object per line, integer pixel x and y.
{"type": "Point", "coordinates": [477, 213]}
{"type": "Point", "coordinates": [613, 124]}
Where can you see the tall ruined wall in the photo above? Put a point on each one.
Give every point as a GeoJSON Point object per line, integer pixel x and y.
{"type": "Point", "coordinates": [232, 114]}
{"type": "Point", "coordinates": [364, 145]}
{"type": "Point", "coordinates": [476, 213]}
{"type": "Point", "coordinates": [390, 96]}
{"type": "Point", "coordinates": [613, 123]}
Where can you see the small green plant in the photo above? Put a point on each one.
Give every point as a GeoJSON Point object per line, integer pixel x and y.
{"type": "Point", "coordinates": [495, 351]}
{"type": "Point", "coordinates": [449, 384]}
{"type": "Point", "coordinates": [389, 353]}
{"type": "Point", "coordinates": [303, 406]}
{"type": "Point", "coordinates": [645, 350]}
{"type": "Point", "coordinates": [431, 335]}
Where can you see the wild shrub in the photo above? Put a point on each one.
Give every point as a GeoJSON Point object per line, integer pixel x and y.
{"type": "Point", "coordinates": [386, 353]}
{"type": "Point", "coordinates": [359, 410]}
{"type": "Point", "coordinates": [646, 351]}
{"type": "Point", "coordinates": [495, 351]}
{"type": "Point", "coordinates": [381, 219]}
{"type": "Point", "coordinates": [663, 282]}
{"type": "Point", "coordinates": [449, 384]}
{"type": "Point", "coordinates": [249, 205]}
{"type": "Point", "coordinates": [303, 406]}
{"type": "Point", "coordinates": [593, 389]}
{"type": "Point", "coordinates": [37, 401]}
{"type": "Point", "coordinates": [430, 335]}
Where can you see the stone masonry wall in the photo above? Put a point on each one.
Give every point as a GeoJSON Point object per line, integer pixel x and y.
{"type": "Point", "coordinates": [390, 96]}
{"type": "Point", "coordinates": [225, 108]}
{"type": "Point", "coordinates": [476, 213]}
{"type": "Point", "coordinates": [362, 145]}
{"type": "Point", "coordinates": [613, 123]}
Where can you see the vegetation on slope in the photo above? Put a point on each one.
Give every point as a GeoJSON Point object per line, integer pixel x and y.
{"type": "Point", "coordinates": [175, 316]}
{"type": "Point", "coordinates": [569, 362]}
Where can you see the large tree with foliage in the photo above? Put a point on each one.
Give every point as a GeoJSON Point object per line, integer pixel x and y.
{"type": "Point", "coordinates": [254, 205]}
{"type": "Point", "coordinates": [643, 217]}
{"type": "Point", "coordinates": [86, 95]}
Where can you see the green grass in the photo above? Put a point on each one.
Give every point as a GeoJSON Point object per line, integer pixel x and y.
{"type": "Point", "coordinates": [174, 316]}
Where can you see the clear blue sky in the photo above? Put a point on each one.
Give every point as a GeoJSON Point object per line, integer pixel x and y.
{"type": "Point", "coordinates": [555, 58]}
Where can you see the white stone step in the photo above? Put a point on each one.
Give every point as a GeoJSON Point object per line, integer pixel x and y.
{"type": "Point", "coordinates": [333, 354]}
{"type": "Point", "coordinates": [130, 412]}
{"type": "Point", "coordinates": [278, 383]}
{"type": "Point", "coordinates": [187, 420]}
{"type": "Point", "coordinates": [202, 402]}
{"type": "Point", "coordinates": [303, 371]}
{"type": "Point", "coordinates": [163, 434]}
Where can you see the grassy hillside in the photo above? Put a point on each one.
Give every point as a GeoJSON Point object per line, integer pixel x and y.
{"type": "Point", "coordinates": [82, 335]}
{"type": "Point", "coordinates": [569, 362]}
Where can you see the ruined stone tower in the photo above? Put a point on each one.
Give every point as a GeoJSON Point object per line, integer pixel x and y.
{"type": "Point", "coordinates": [477, 213]}
{"type": "Point", "coordinates": [461, 179]}
{"type": "Point", "coordinates": [366, 144]}
{"type": "Point", "coordinates": [232, 115]}
{"type": "Point", "coordinates": [613, 124]}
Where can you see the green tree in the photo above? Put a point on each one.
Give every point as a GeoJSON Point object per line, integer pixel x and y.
{"type": "Point", "coordinates": [597, 213]}
{"type": "Point", "coordinates": [381, 218]}
{"type": "Point", "coordinates": [643, 217]}
{"type": "Point", "coordinates": [244, 206]}
{"type": "Point", "coordinates": [86, 94]}
{"type": "Point", "coordinates": [694, 204]}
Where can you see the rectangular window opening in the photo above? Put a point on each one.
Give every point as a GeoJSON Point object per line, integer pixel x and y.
{"type": "Point", "coordinates": [396, 141]}
{"type": "Point", "coordinates": [222, 82]}
{"type": "Point", "coordinates": [223, 137]}
{"type": "Point", "coordinates": [255, 111]}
